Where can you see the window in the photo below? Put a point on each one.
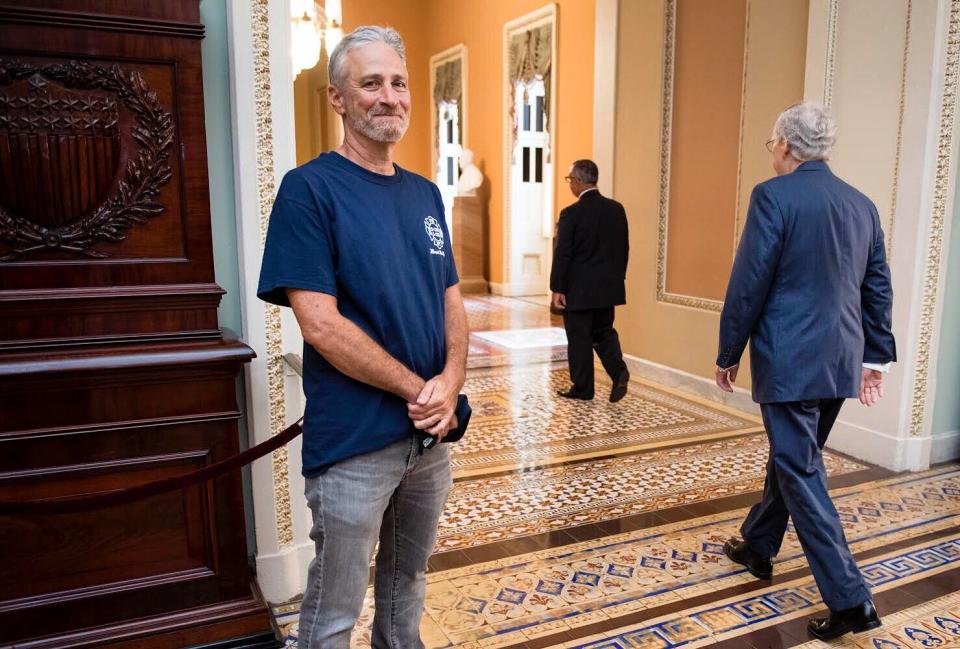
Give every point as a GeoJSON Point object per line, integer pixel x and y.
{"type": "Point", "coordinates": [447, 169]}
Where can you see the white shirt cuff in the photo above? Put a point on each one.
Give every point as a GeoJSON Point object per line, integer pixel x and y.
{"type": "Point", "coordinates": [879, 367]}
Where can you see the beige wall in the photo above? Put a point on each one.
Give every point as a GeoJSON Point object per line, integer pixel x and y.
{"type": "Point", "coordinates": [677, 335]}
{"type": "Point", "coordinates": [705, 144]}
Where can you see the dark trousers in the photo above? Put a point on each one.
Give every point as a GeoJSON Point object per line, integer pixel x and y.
{"type": "Point", "coordinates": [796, 487]}
{"type": "Point", "coordinates": [588, 330]}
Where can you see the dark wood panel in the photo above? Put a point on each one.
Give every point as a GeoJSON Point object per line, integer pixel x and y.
{"type": "Point", "coordinates": [152, 538]}
{"type": "Point", "coordinates": [113, 370]}
{"type": "Point", "coordinates": [29, 319]}
{"type": "Point", "coordinates": [170, 67]}
{"type": "Point", "coordinates": [40, 405]}
{"type": "Point", "coordinates": [79, 12]}
{"type": "Point", "coordinates": [34, 451]}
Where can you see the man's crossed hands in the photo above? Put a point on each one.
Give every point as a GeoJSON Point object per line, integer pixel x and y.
{"type": "Point", "coordinates": [433, 411]}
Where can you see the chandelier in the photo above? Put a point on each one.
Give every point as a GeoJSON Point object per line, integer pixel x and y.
{"type": "Point", "coordinates": [312, 27]}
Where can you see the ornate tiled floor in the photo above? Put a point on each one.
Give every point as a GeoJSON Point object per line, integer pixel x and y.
{"type": "Point", "coordinates": [556, 591]}
{"type": "Point", "coordinates": [519, 420]}
{"type": "Point", "coordinates": [485, 510]}
{"type": "Point", "coordinates": [600, 526]}
{"type": "Point", "coordinates": [710, 623]}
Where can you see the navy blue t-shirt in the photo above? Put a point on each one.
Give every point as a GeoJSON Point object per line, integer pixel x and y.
{"type": "Point", "coordinates": [380, 245]}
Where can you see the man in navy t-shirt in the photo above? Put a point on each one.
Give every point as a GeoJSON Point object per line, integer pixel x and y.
{"type": "Point", "coordinates": [358, 247]}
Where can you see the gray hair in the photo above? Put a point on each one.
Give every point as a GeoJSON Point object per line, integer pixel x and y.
{"type": "Point", "coordinates": [809, 129]}
{"type": "Point", "coordinates": [337, 67]}
{"type": "Point", "coordinates": [585, 171]}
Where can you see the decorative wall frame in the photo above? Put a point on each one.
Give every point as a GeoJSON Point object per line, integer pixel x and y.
{"type": "Point", "coordinates": [666, 130]}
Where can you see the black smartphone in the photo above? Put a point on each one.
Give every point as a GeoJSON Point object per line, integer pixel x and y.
{"type": "Point", "coordinates": [427, 441]}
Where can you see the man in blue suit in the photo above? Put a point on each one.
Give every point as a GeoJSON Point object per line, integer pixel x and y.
{"type": "Point", "coordinates": [810, 289]}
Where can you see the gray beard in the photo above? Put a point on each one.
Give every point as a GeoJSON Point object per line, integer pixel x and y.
{"type": "Point", "coordinates": [384, 132]}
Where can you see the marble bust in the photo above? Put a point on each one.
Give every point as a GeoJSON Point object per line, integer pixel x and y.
{"type": "Point", "coordinates": [471, 177]}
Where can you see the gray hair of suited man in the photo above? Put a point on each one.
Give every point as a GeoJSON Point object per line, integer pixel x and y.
{"type": "Point", "coordinates": [337, 67]}
{"type": "Point", "coordinates": [809, 129]}
{"type": "Point", "coordinates": [585, 171]}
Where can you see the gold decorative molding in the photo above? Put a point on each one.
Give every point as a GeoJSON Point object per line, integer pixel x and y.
{"type": "Point", "coordinates": [899, 149]}
{"type": "Point", "coordinates": [941, 187]}
{"type": "Point", "coordinates": [743, 117]}
{"type": "Point", "coordinates": [666, 127]}
{"type": "Point", "coordinates": [266, 186]}
{"type": "Point", "coordinates": [831, 57]}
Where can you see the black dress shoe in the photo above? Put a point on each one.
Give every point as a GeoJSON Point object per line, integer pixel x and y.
{"type": "Point", "coordinates": [571, 394]}
{"type": "Point", "coordinates": [739, 552]}
{"type": "Point", "coordinates": [619, 389]}
{"type": "Point", "coordinates": [862, 617]}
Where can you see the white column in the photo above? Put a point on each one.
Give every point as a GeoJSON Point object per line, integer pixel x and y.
{"type": "Point", "coordinates": [889, 72]}
{"type": "Point", "coordinates": [605, 91]}
{"type": "Point", "coordinates": [264, 149]}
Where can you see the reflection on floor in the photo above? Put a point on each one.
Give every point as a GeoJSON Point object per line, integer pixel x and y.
{"type": "Point", "coordinates": [598, 525]}
{"type": "Point", "coordinates": [500, 331]}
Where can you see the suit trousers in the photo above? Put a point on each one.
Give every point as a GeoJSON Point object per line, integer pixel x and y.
{"type": "Point", "coordinates": [796, 487]}
{"type": "Point", "coordinates": [588, 330]}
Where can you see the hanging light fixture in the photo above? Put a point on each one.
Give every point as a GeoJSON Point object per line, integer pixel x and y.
{"type": "Point", "coordinates": [304, 35]}
{"type": "Point", "coordinates": [333, 32]}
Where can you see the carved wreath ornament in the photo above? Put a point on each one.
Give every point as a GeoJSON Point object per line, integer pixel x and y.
{"type": "Point", "coordinates": [43, 127]}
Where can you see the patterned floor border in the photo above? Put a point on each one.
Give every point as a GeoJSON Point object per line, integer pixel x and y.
{"type": "Point", "coordinates": [498, 508]}
{"type": "Point", "coordinates": [709, 624]}
{"type": "Point", "coordinates": [939, 515]}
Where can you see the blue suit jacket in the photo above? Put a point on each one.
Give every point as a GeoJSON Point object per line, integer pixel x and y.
{"type": "Point", "coordinates": [810, 289]}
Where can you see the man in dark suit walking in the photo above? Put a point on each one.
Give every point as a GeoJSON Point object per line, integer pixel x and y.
{"type": "Point", "coordinates": [587, 280]}
{"type": "Point", "coordinates": [810, 288]}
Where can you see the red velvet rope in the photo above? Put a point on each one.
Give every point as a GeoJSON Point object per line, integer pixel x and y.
{"type": "Point", "coordinates": [86, 502]}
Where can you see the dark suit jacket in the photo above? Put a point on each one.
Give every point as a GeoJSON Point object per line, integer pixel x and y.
{"type": "Point", "coordinates": [810, 288]}
{"type": "Point", "coordinates": [590, 259]}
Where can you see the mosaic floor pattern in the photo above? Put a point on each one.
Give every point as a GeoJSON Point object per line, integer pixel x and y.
{"type": "Point", "coordinates": [510, 601]}
{"type": "Point", "coordinates": [519, 421]}
{"type": "Point", "coordinates": [490, 509]}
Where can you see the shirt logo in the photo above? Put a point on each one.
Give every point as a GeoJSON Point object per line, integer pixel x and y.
{"type": "Point", "coordinates": [435, 233]}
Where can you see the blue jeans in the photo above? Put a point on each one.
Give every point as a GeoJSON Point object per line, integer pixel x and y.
{"type": "Point", "coordinates": [395, 495]}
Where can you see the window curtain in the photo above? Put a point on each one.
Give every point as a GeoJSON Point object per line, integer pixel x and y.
{"type": "Point", "coordinates": [447, 87]}
{"type": "Point", "coordinates": [531, 56]}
